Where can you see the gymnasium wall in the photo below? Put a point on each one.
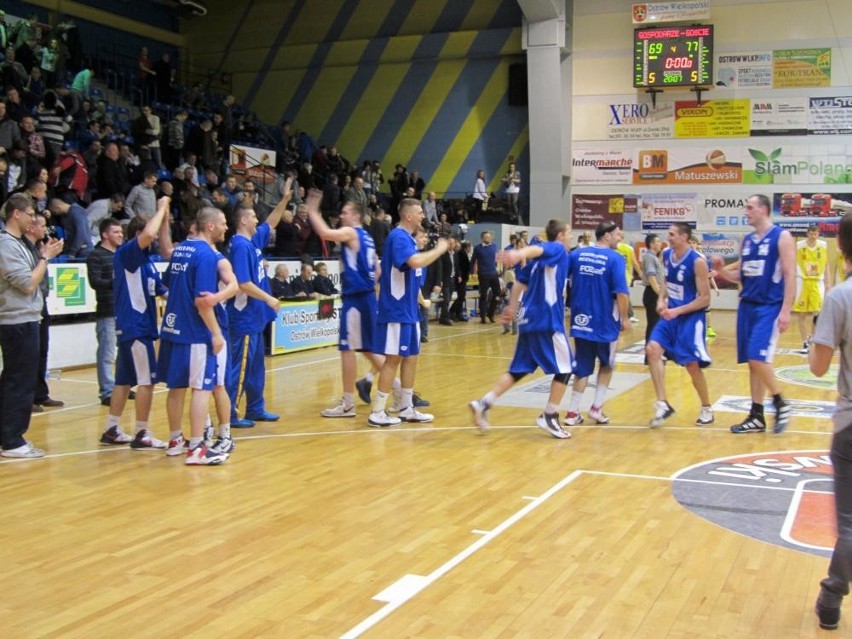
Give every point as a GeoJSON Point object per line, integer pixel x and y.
{"type": "Point", "coordinates": [422, 83]}
{"type": "Point", "coordinates": [754, 126]}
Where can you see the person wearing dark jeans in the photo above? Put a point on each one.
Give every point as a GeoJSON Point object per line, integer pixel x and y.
{"type": "Point", "coordinates": [34, 236]}
{"type": "Point", "coordinates": [653, 276]}
{"type": "Point", "coordinates": [484, 264]}
{"type": "Point", "coordinates": [19, 319]}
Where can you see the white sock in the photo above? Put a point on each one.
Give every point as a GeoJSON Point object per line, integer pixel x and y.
{"type": "Point", "coordinates": [208, 422]}
{"type": "Point", "coordinates": [174, 434]}
{"type": "Point", "coordinates": [380, 401]}
{"type": "Point", "coordinates": [395, 384]}
{"type": "Point", "coordinates": [574, 404]}
{"type": "Point", "coordinates": [348, 399]}
{"type": "Point", "coordinates": [369, 377]}
{"type": "Point", "coordinates": [600, 394]}
{"type": "Point", "coordinates": [489, 398]}
{"type": "Point", "coordinates": [195, 441]}
{"type": "Point", "coordinates": [225, 430]}
{"type": "Point", "coordinates": [141, 426]}
{"type": "Point", "coordinates": [551, 408]}
{"type": "Point", "coordinates": [112, 420]}
{"type": "Point", "coordinates": [406, 397]}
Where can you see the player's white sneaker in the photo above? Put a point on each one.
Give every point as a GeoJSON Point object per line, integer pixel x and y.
{"type": "Point", "coordinates": [341, 410]}
{"type": "Point", "coordinates": [411, 414]}
{"type": "Point", "coordinates": [382, 419]}
{"type": "Point", "coordinates": [596, 413]}
{"type": "Point", "coordinates": [705, 417]}
{"type": "Point", "coordinates": [480, 414]}
{"type": "Point", "coordinates": [550, 423]}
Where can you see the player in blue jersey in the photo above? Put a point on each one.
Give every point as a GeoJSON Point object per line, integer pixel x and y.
{"type": "Point", "coordinates": [136, 285]}
{"type": "Point", "coordinates": [398, 330]}
{"type": "Point", "coordinates": [599, 301]}
{"type": "Point", "coordinates": [767, 272]}
{"type": "Point", "coordinates": [250, 311]}
{"type": "Point", "coordinates": [542, 342]}
{"type": "Point", "coordinates": [681, 331]}
{"type": "Point", "coordinates": [192, 336]}
{"type": "Point", "coordinates": [359, 264]}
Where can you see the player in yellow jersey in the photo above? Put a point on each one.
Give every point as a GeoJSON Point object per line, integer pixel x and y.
{"type": "Point", "coordinates": [813, 280]}
{"type": "Point", "coordinates": [630, 264]}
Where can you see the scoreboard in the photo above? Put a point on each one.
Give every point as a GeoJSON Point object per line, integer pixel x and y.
{"type": "Point", "coordinates": [673, 56]}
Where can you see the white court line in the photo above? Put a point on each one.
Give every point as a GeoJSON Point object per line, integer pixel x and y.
{"type": "Point", "coordinates": [409, 585]}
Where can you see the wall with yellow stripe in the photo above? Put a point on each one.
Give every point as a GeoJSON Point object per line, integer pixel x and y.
{"type": "Point", "coordinates": [423, 83]}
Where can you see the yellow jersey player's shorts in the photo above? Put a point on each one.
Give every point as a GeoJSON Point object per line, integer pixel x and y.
{"type": "Point", "coordinates": [810, 296]}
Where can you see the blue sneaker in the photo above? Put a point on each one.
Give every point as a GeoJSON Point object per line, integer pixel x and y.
{"type": "Point", "coordinates": [242, 423]}
{"type": "Point", "coordinates": [364, 389]}
{"type": "Point", "coordinates": [263, 417]}
{"type": "Point", "coordinates": [419, 402]}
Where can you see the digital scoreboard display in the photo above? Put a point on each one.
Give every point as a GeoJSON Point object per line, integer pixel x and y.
{"type": "Point", "coordinates": [673, 56]}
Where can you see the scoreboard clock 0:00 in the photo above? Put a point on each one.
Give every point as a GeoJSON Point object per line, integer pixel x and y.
{"type": "Point", "coordinates": [673, 56]}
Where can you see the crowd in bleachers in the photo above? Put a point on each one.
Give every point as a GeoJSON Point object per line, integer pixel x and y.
{"type": "Point", "coordinates": [84, 157]}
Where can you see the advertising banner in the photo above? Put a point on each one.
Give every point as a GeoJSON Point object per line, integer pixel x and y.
{"type": "Point", "coordinates": [298, 327]}
{"type": "Point", "coordinates": [745, 70]}
{"type": "Point", "coordinates": [722, 213]}
{"type": "Point", "coordinates": [721, 165]}
{"type": "Point", "coordinates": [248, 161]}
{"type": "Point", "coordinates": [796, 211]}
{"type": "Point", "coordinates": [830, 116]}
{"type": "Point", "coordinates": [798, 68]}
{"type": "Point", "coordinates": [779, 116]}
{"type": "Point", "coordinates": [601, 167]}
{"type": "Point", "coordinates": [587, 211]}
{"type": "Point", "coordinates": [660, 210]}
{"type": "Point", "coordinates": [70, 292]}
{"type": "Point", "coordinates": [725, 244]}
{"type": "Point", "coordinates": [798, 164]}
{"type": "Point", "coordinates": [653, 12]}
{"type": "Point", "coordinates": [640, 121]}
{"type": "Point", "coordinates": [712, 119]}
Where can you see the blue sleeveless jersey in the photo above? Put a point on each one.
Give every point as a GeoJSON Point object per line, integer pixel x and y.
{"type": "Point", "coordinates": [680, 277]}
{"type": "Point", "coordinates": [760, 268]}
{"type": "Point", "coordinates": [358, 273]}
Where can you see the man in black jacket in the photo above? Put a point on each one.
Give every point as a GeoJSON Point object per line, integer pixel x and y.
{"type": "Point", "coordinates": [100, 273]}
{"type": "Point", "coordinates": [112, 175]}
{"type": "Point", "coordinates": [458, 311]}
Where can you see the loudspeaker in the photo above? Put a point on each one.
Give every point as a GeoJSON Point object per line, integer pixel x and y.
{"type": "Point", "coordinates": [518, 84]}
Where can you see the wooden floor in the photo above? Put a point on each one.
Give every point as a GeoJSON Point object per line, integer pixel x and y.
{"type": "Point", "coordinates": [329, 528]}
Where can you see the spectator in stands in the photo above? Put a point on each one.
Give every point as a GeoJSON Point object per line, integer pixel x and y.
{"type": "Point", "coordinates": [286, 236]}
{"type": "Point", "coordinates": [232, 190]}
{"type": "Point", "coordinates": [100, 210]}
{"type": "Point", "coordinates": [142, 199]}
{"type": "Point", "coordinates": [35, 143]}
{"type": "Point", "coordinates": [52, 123]}
{"type": "Point", "coordinates": [416, 182]}
{"type": "Point", "coordinates": [33, 89]}
{"type": "Point", "coordinates": [174, 140]}
{"type": "Point", "coordinates": [165, 78]}
{"type": "Point", "coordinates": [443, 227]}
{"type": "Point", "coordinates": [14, 107]}
{"type": "Point", "coordinates": [430, 210]}
{"type": "Point", "coordinates": [146, 132]}
{"type": "Point", "coordinates": [91, 134]}
{"type": "Point", "coordinates": [9, 130]}
{"type": "Point", "coordinates": [49, 57]}
{"type": "Point", "coordinates": [306, 177]}
{"type": "Point", "coordinates": [280, 284]}
{"type": "Point", "coordinates": [91, 155]}
{"type": "Point", "coordinates": [220, 201]}
{"type": "Point", "coordinates": [303, 285]}
{"type": "Point", "coordinates": [226, 133]}
{"type": "Point", "coordinates": [75, 222]}
{"type": "Point", "coordinates": [251, 195]}
{"type": "Point", "coordinates": [5, 35]}
{"type": "Point", "coordinates": [21, 166]}
{"type": "Point", "coordinates": [479, 192]}
{"type": "Point", "coordinates": [337, 164]}
{"type": "Point", "coordinates": [356, 193]}
{"type": "Point", "coordinates": [13, 72]}
{"type": "Point", "coordinates": [25, 30]}
{"type": "Point", "coordinates": [379, 229]}
{"type": "Point", "coordinates": [82, 83]}
{"type": "Point", "coordinates": [322, 282]}
{"type": "Point", "coordinates": [99, 270]}
{"type": "Point", "coordinates": [147, 74]}
{"type": "Point", "coordinates": [71, 172]}
{"type": "Point", "coordinates": [112, 176]}
{"type": "Point", "coordinates": [145, 165]}
{"type": "Point", "coordinates": [331, 195]}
